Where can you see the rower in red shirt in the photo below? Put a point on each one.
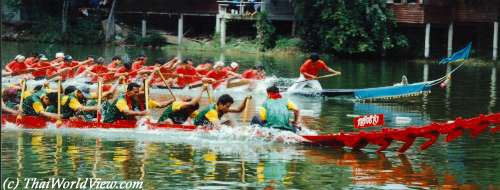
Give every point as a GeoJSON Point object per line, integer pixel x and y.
{"type": "Point", "coordinates": [234, 67]}
{"type": "Point", "coordinates": [116, 62]}
{"type": "Point", "coordinates": [41, 68]}
{"type": "Point", "coordinates": [256, 73]}
{"type": "Point", "coordinates": [186, 74]}
{"type": "Point", "coordinates": [32, 60]}
{"type": "Point", "coordinates": [203, 69]}
{"type": "Point", "coordinates": [309, 71]}
{"type": "Point", "coordinates": [16, 66]}
{"type": "Point", "coordinates": [139, 63]}
{"type": "Point", "coordinates": [219, 74]}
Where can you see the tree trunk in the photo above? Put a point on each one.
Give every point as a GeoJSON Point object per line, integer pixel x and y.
{"type": "Point", "coordinates": [110, 28]}
{"type": "Point", "coordinates": [65, 15]}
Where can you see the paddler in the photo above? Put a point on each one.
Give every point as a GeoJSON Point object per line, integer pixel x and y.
{"type": "Point", "coordinates": [10, 100]}
{"type": "Point", "coordinates": [35, 104]}
{"type": "Point", "coordinates": [139, 63]}
{"type": "Point", "coordinates": [16, 66]}
{"type": "Point", "coordinates": [120, 109]}
{"type": "Point", "coordinates": [204, 68]}
{"type": "Point", "coordinates": [219, 75]}
{"type": "Point", "coordinates": [275, 112]}
{"type": "Point", "coordinates": [233, 67]}
{"type": "Point", "coordinates": [116, 62]}
{"type": "Point", "coordinates": [256, 73]}
{"type": "Point", "coordinates": [32, 60]}
{"type": "Point", "coordinates": [212, 114]}
{"type": "Point", "coordinates": [186, 74]}
{"type": "Point", "coordinates": [41, 68]}
{"type": "Point", "coordinates": [309, 72]}
{"type": "Point", "coordinates": [180, 111]}
{"type": "Point", "coordinates": [73, 102]}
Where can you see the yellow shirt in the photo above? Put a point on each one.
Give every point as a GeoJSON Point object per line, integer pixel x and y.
{"type": "Point", "coordinates": [38, 107]}
{"type": "Point", "coordinates": [212, 115]}
{"type": "Point", "coordinates": [74, 104]}
{"type": "Point", "coordinates": [122, 105]}
{"type": "Point", "coordinates": [263, 111]}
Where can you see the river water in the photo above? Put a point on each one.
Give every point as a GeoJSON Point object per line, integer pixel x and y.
{"type": "Point", "coordinates": [230, 160]}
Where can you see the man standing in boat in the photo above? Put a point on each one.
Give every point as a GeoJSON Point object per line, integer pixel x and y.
{"type": "Point", "coordinates": [309, 73]}
{"type": "Point", "coordinates": [274, 112]}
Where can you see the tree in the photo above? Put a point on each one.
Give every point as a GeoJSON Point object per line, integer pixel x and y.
{"type": "Point", "coordinates": [110, 31]}
{"type": "Point", "coordinates": [64, 16]}
{"type": "Point", "coordinates": [348, 26]}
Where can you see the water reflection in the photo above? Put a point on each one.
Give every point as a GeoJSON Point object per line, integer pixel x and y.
{"type": "Point", "coordinates": [493, 90]}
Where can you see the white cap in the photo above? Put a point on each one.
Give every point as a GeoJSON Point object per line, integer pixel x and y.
{"type": "Point", "coordinates": [234, 64]}
{"type": "Point", "coordinates": [43, 58]}
{"type": "Point", "coordinates": [219, 64]}
{"type": "Point", "coordinates": [60, 55]}
{"type": "Point", "coordinates": [20, 57]}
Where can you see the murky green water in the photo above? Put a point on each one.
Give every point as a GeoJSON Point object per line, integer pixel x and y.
{"type": "Point", "coordinates": [183, 161]}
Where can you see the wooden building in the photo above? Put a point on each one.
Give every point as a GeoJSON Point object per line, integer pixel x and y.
{"type": "Point", "coordinates": [425, 15]}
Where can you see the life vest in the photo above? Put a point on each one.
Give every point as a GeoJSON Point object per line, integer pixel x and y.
{"type": "Point", "coordinates": [201, 120]}
{"type": "Point", "coordinates": [277, 114]}
{"type": "Point", "coordinates": [177, 117]}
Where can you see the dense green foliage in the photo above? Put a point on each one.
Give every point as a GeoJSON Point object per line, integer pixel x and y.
{"type": "Point", "coordinates": [82, 31]}
{"type": "Point", "coordinates": [153, 39]}
{"type": "Point", "coordinates": [265, 31]}
{"type": "Point", "coordinates": [348, 27]}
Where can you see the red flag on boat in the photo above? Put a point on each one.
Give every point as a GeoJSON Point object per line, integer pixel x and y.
{"type": "Point", "coordinates": [368, 121]}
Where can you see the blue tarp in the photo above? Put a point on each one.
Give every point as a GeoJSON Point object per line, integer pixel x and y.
{"type": "Point", "coordinates": [391, 91]}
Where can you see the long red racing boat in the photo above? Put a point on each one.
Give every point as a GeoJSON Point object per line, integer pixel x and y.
{"type": "Point", "coordinates": [354, 140]}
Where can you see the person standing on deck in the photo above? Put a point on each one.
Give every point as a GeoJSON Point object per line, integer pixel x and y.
{"type": "Point", "coordinates": [275, 112]}
{"type": "Point", "coordinates": [211, 115]}
{"type": "Point", "coordinates": [309, 71]}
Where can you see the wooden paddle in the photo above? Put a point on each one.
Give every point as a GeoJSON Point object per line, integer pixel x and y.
{"type": "Point", "coordinates": [321, 77]}
{"type": "Point", "coordinates": [99, 104]}
{"type": "Point", "coordinates": [23, 88]}
{"type": "Point", "coordinates": [59, 122]}
{"type": "Point", "coordinates": [209, 96]}
{"type": "Point", "coordinates": [146, 97]}
{"type": "Point", "coordinates": [166, 84]}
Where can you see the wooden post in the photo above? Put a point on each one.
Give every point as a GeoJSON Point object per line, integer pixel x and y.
{"type": "Point", "coordinates": [223, 32]}
{"type": "Point", "coordinates": [495, 40]}
{"type": "Point", "coordinates": [217, 23]}
{"type": "Point", "coordinates": [426, 72]}
{"type": "Point", "coordinates": [450, 39]}
{"type": "Point", "coordinates": [143, 27]}
{"type": "Point", "coordinates": [427, 39]}
{"type": "Point", "coordinates": [493, 89]}
{"type": "Point", "coordinates": [180, 29]}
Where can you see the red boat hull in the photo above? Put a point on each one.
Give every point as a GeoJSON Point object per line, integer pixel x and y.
{"type": "Point", "coordinates": [355, 140]}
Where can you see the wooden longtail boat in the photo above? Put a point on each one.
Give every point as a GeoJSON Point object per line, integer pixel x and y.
{"type": "Point", "coordinates": [355, 140]}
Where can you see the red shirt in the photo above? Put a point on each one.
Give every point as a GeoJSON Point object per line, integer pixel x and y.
{"type": "Point", "coordinates": [40, 72]}
{"type": "Point", "coordinates": [217, 75]}
{"type": "Point", "coordinates": [203, 69]}
{"type": "Point", "coordinates": [81, 69]}
{"type": "Point", "coordinates": [113, 66]}
{"type": "Point", "coordinates": [99, 69]}
{"type": "Point", "coordinates": [312, 68]}
{"type": "Point", "coordinates": [251, 74]}
{"type": "Point", "coordinates": [137, 65]}
{"type": "Point", "coordinates": [191, 73]}
{"type": "Point", "coordinates": [232, 69]}
{"type": "Point", "coordinates": [16, 67]}
{"type": "Point", "coordinates": [30, 61]}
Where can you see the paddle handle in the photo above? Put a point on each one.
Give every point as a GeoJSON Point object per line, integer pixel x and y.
{"type": "Point", "coordinates": [58, 122]}
{"type": "Point", "coordinates": [166, 84]}
{"type": "Point", "coordinates": [146, 96]}
{"type": "Point", "coordinates": [321, 77]}
{"type": "Point", "coordinates": [23, 89]}
{"type": "Point", "coordinates": [99, 102]}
